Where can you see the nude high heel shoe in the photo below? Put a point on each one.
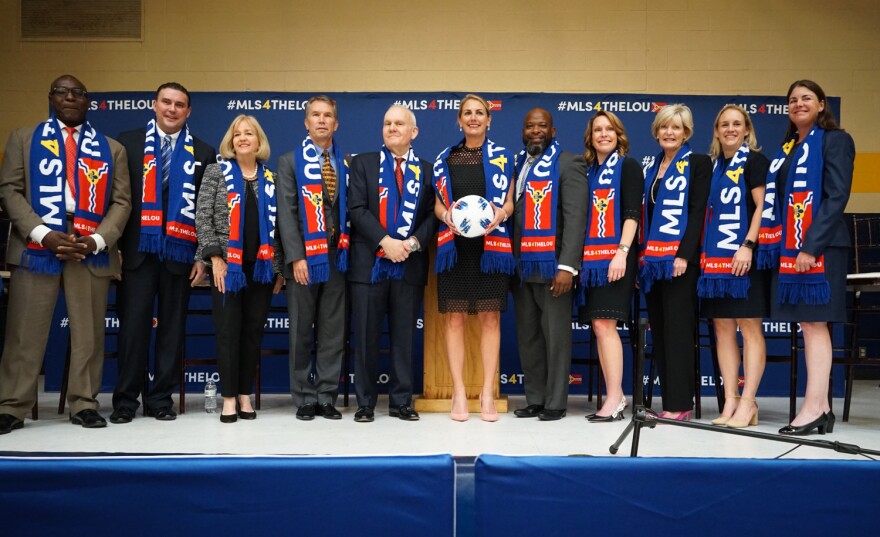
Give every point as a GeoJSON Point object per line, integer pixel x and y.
{"type": "Point", "coordinates": [458, 416]}
{"type": "Point", "coordinates": [753, 420]}
{"type": "Point", "coordinates": [721, 420]}
{"type": "Point", "coordinates": [488, 416]}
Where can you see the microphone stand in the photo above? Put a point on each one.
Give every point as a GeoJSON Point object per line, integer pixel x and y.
{"type": "Point", "coordinates": [645, 417]}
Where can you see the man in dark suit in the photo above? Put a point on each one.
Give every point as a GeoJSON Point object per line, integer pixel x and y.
{"type": "Point", "coordinates": [159, 268]}
{"type": "Point", "coordinates": [71, 170]}
{"type": "Point", "coordinates": [543, 304]}
{"type": "Point", "coordinates": [389, 266]}
{"type": "Point", "coordinates": [312, 228]}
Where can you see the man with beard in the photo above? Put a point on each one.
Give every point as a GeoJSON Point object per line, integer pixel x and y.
{"type": "Point", "coordinates": [548, 240]}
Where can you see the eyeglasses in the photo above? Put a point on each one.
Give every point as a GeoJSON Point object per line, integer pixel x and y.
{"type": "Point", "coordinates": [61, 91]}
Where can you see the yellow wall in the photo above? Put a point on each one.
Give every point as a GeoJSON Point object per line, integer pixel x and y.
{"type": "Point", "coordinates": [632, 46]}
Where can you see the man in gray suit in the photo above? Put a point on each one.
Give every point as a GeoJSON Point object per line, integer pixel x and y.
{"type": "Point", "coordinates": [313, 231]}
{"type": "Point", "coordinates": [548, 260]}
{"type": "Point", "coordinates": [73, 170]}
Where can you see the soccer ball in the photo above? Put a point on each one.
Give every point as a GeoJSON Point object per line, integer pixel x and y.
{"type": "Point", "coordinates": [472, 215]}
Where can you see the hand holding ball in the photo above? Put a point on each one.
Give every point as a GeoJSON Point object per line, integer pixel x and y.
{"type": "Point", "coordinates": [472, 215]}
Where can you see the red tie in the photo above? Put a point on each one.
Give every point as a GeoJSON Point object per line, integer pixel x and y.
{"type": "Point", "coordinates": [398, 174]}
{"type": "Point", "coordinates": [70, 150]}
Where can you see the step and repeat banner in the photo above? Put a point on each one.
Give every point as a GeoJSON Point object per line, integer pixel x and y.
{"type": "Point", "coordinates": [360, 130]}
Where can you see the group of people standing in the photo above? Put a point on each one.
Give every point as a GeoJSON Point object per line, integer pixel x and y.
{"type": "Point", "coordinates": [732, 233]}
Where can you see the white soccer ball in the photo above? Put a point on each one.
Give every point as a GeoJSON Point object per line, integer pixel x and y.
{"type": "Point", "coordinates": [472, 215]}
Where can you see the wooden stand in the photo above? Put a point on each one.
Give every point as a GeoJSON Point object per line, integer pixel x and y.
{"type": "Point", "coordinates": [437, 396]}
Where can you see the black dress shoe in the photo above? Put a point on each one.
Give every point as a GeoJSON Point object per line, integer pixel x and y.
{"type": "Point", "coordinates": [551, 415]}
{"type": "Point", "coordinates": [595, 418]}
{"type": "Point", "coordinates": [9, 423]}
{"type": "Point", "coordinates": [364, 414]}
{"type": "Point", "coordinates": [88, 418]}
{"type": "Point", "coordinates": [824, 423]}
{"type": "Point", "coordinates": [404, 412]}
{"type": "Point", "coordinates": [329, 411]}
{"type": "Point", "coordinates": [247, 415]}
{"type": "Point", "coordinates": [306, 412]}
{"type": "Point", "coordinates": [530, 411]}
{"type": "Point", "coordinates": [165, 413]}
{"type": "Point", "coordinates": [228, 418]}
{"type": "Point", "coordinates": [122, 414]}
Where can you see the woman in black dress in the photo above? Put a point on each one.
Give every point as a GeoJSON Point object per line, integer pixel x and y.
{"type": "Point", "coordinates": [676, 189]}
{"type": "Point", "coordinates": [464, 288]}
{"type": "Point", "coordinates": [810, 286]}
{"type": "Point", "coordinates": [610, 259]}
{"type": "Point", "coordinates": [741, 297]}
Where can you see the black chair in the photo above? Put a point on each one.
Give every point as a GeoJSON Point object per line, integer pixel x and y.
{"type": "Point", "coordinates": [864, 284]}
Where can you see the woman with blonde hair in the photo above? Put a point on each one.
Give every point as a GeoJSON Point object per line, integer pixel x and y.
{"type": "Point", "coordinates": [235, 224]}
{"type": "Point", "coordinates": [733, 291]}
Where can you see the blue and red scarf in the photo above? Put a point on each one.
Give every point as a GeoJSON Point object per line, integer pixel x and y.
{"type": "Point", "coordinates": [603, 219]}
{"type": "Point", "coordinates": [235, 196]}
{"type": "Point", "coordinates": [725, 229]}
{"type": "Point", "coordinates": [785, 223]}
{"type": "Point", "coordinates": [177, 239]}
{"type": "Point", "coordinates": [307, 163]}
{"type": "Point", "coordinates": [94, 175]}
{"type": "Point", "coordinates": [397, 211]}
{"type": "Point", "coordinates": [497, 250]}
{"type": "Point", "coordinates": [664, 228]}
{"type": "Point", "coordinates": [541, 188]}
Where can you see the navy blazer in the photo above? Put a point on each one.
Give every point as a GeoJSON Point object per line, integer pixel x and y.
{"type": "Point", "coordinates": [367, 232]}
{"type": "Point", "coordinates": [133, 141]}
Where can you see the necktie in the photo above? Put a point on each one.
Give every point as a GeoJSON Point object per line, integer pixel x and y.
{"type": "Point", "coordinates": [521, 180]}
{"type": "Point", "coordinates": [70, 154]}
{"type": "Point", "coordinates": [166, 160]}
{"type": "Point", "coordinates": [398, 174]}
{"type": "Point", "coordinates": [328, 175]}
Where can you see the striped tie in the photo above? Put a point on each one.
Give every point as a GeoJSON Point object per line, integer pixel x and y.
{"type": "Point", "coordinates": [166, 160]}
{"type": "Point", "coordinates": [328, 174]}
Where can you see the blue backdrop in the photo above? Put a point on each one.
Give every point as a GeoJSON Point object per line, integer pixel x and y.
{"type": "Point", "coordinates": [360, 121]}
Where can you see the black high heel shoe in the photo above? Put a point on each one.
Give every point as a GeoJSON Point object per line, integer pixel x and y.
{"type": "Point", "coordinates": [824, 423]}
{"type": "Point", "coordinates": [614, 416]}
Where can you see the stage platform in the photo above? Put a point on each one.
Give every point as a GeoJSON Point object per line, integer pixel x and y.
{"type": "Point", "coordinates": [432, 477]}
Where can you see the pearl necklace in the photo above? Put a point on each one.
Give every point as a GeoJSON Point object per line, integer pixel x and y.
{"type": "Point", "coordinates": [252, 176]}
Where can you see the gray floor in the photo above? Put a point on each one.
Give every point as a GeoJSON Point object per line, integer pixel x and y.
{"type": "Point", "coordinates": [277, 432]}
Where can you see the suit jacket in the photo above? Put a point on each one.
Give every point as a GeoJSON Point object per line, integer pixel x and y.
{"type": "Point", "coordinates": [829, 226]}
{"type": "Point", "coordinates": [366, 231]}
{"type": "Point", "coordinates": [133, 141]}
{"type": "Point", "coordinates": [288, 231]}
{"type": "Point", "coordinates": [571, 214]}
{"type": "Point", "coordinates": [15, 194]}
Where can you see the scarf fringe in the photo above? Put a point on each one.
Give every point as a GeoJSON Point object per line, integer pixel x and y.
{"type": "Point", "coordinates": [235, 282]}
{"type": "Point", "coordinates": [810, 293]}
{"type": "Point", "coordinates": [98, 261]}
{"type": "Point", "coordinates": [263, 272]}
{"type": "Point", "coordinates": [738, 287]}
{"type": "Point", "coordinates": [175, 251]}
{"type": "Point", "coordinates": [445, 261]}
{"type": "Point", "coordinates": [768, 258]}
{"type": "Point", "coordinates": [594, 277]}
{"type": "Point", "coordinates": [319, 272]}
{"type": "Point", "coordinates": [495, 263]}
{"type": "Point", "coordinates": [341, 260]}
{"type": "Point", "coordinates": [386, 270]}
{"type": "Point", "coordinates": [151, 244]}
{"type": "Point", "coordinates": [41, 264]}
{"type": "Point", "coordinates": [654, 271]}
{"type": "Point", "coordinates": [547, 268]}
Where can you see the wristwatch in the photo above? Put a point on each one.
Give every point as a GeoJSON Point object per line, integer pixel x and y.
{"type": "Point", "coordinates": [413, 244]}
{"type": "Point", "coordinates": [623, 248]}
{"type": "Point", "coordinates": [751, 245]}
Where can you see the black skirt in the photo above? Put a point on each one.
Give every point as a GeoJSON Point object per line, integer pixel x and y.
{"type": "Point", "coordinates": [755, 306]}
{"type": "Point", "coordinates": [836, 266]}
